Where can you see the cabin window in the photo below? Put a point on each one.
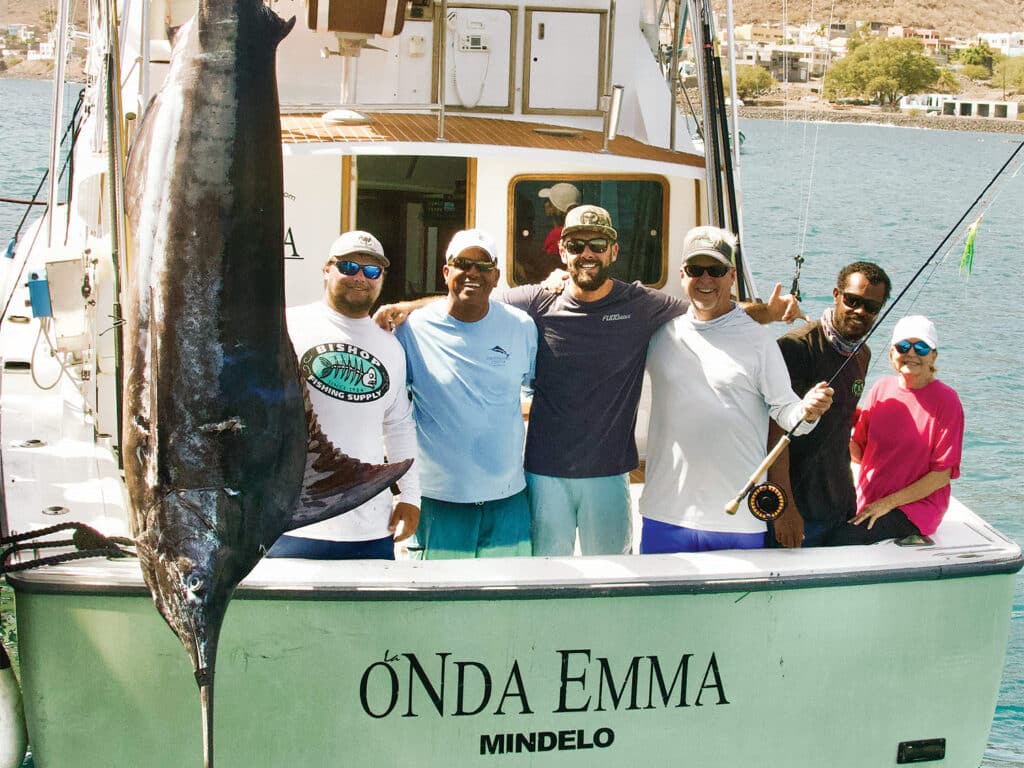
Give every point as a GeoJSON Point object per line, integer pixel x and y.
{"type": "Point", "coordinates": [638, 207]}
{"type": "Point", "coordinates": [413, 204]}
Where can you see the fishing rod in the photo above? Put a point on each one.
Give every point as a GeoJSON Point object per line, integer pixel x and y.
{"type": "Point", "coordinates": [784, 441]}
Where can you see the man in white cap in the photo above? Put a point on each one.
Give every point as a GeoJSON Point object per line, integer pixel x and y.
{"type": "Point", "coordinates": [714, 371]}
{"type": "Point", "coordinates": [580, 446]}
{"type": "Point", "coordinates": [468, 359]}
{"type": "Point", "coordinates": [559, 199]}
{"type": "Point", "coordinates": [356, 376]}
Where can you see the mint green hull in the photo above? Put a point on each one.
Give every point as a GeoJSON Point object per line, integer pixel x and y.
{"type": "Point", "coordinates": [818, 676]}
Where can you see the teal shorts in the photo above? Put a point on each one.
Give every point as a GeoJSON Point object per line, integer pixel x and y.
{"type": "Point", "coordinates": [598, 506]}
{"type": "Point", "coordinates": [499, 528]}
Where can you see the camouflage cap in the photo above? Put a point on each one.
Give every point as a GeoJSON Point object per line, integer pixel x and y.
{"type": "Point", "coordinates": [589, 218]}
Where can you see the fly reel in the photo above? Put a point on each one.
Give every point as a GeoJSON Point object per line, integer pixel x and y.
{"type": "Point", "coordinates": [766, 501]}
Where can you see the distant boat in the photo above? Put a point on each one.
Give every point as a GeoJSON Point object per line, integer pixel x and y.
{"type": "Point", "coordinates": [698, 141]}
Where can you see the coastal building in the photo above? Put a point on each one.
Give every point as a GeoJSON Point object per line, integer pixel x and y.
{"type": "Point", "coordinates": [25, 33]}
{"type": "Point", "coordinates": [1006, 43]}
{"type": "Point", "coordinates": [45, 52]}
{"type": "Point", "coordinates": [759, 34]}
{"type": "Point", "coordinates": [773, 47]}
{"type": "Point", "coordinates": [952, 106]}
{"type": "Point", "coordinates": [934, 44]}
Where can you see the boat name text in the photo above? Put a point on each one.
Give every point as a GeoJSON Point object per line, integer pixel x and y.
{"type": "Point", "coordinates": [403, 685]}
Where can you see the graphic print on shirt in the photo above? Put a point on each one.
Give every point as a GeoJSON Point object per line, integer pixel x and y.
{"type": "Point", "coordinates": [497, 356]}
{"type": "Point", "coordinates": [345, 372]}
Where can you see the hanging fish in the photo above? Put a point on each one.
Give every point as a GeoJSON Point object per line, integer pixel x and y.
{"type": "Point", "coordinates": [967, 260]}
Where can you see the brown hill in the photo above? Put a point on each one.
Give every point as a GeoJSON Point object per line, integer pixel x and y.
{"type": "Point", "coordinates": [962, 18]}
{"type": "Point", "coordinates": [959, 18]}
{"type": "Point", "coordinates": [32, 11]}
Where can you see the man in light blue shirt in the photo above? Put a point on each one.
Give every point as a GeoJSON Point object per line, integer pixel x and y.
{"type": "Point", "coordinates": [467, 361]}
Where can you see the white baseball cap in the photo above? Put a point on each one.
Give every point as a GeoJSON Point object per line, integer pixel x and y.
{"type": "Point", "coordinates": [915, 327]}
{"type": "Point", "coordinates": [563, 196]}
{"type": "Point", "coordinates": [471, 238]}
{"type": "Point", "coordinates": [358, 241]}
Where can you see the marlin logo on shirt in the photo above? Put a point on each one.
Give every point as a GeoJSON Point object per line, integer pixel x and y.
{"type": "Point", "coordinates": [345, 372]}
{"type": "Point", "coordinates": [497, 355]}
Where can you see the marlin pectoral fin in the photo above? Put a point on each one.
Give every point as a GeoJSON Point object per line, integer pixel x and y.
{"type": "Point", "coordinates": [334, 482]}
{"type": "Point", "coordinates": [344, 486]}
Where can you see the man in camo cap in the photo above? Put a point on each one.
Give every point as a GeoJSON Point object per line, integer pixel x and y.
{"type": "Point", "coordinates": [580, 446]}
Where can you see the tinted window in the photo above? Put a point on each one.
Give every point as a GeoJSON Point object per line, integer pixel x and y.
{"type": "Point", "coordinates": [637, 207]}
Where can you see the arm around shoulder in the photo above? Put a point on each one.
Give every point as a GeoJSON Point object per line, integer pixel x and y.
{"type": "Point", "coordinates": [390, 316]}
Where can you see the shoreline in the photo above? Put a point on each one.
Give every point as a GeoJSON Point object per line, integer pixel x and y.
{"type": "Point", "coordinates": [794, 111]}
{"type": "Point", "coordinates": [801, 113]}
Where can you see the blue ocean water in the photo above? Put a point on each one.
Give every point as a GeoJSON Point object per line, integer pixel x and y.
{"type": "Point", "coordinates": [867, 192]}
{"type": "Point", "coordinates": [24, 146]}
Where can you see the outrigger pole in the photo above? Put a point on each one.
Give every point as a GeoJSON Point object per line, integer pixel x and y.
{"type": "Point", "coordinates": [723, 198]}
{"type": "Point", "coordinates": [733, 505]}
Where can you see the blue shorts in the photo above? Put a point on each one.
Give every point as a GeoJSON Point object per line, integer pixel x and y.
{"type": "Point", "coordinates": [598, 506]}
{"type": "Point", "coordinates": [323, 549]}
{"type": "Point", "coordinates": [498, 528]}
{"type": "Point", "coordinates": [660, 538]}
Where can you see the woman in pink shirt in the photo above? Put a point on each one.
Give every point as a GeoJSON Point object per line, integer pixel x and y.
{"type": "Point", "coordinates": [907, 439]}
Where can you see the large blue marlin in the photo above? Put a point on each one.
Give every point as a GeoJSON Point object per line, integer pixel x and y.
{"type": "Point", "coordinates": [221, 452]}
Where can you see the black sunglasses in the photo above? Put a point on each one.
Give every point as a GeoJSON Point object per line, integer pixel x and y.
{"type": "Point", "coordinates": [351, 269]}
{"type": "Point", "coordinates": [467, 264]}
{"type": "Point", "coordinates": [921, 348]}
{"type": "Point", "coordinates": [715, 270]}
{"type": "Point", "coordinates": [853, 301]}
{"type": "Point", "coordinates": [596, 245]}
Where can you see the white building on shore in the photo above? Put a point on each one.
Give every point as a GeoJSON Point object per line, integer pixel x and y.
{"type": "Point", "coordinates": [1006, 43]}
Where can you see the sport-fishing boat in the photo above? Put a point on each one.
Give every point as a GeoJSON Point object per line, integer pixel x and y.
{"type": "Point", "coordinates": [413, 120]}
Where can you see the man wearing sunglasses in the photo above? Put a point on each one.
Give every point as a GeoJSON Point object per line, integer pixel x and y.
{"type": "Point", "coordinates": [580, 447]}
{"type": "Point", "coordinates": [815, 471]}
{"type": "Point", "coordinates": [356, 377]}
{"type": "Point", "coordinates": [468, 359]}
{"type": "Point", "coordinates": [716, 379]}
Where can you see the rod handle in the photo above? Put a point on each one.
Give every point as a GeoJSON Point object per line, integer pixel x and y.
{"type": "Point", "coordinates": [780, 446]}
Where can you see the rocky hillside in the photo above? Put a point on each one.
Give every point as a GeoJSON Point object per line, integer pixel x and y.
{"type": "Point", "coordinates": [31, 11]}
{"type": "Point", "coordinates": [962, 18]}
{"type": "Point", "coordinates": [959, 18]}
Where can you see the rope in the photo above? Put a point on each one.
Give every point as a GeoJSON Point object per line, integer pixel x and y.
{"type": "Point", "coordinates": [88, 541]}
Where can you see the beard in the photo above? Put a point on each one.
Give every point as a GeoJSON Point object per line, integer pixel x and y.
{"type": "Point", "coordinates": [354, 303]}
{"type": "Point", "coordinates": [850, 328]}
{"type": "Point", "coordinates": [586, 280]}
